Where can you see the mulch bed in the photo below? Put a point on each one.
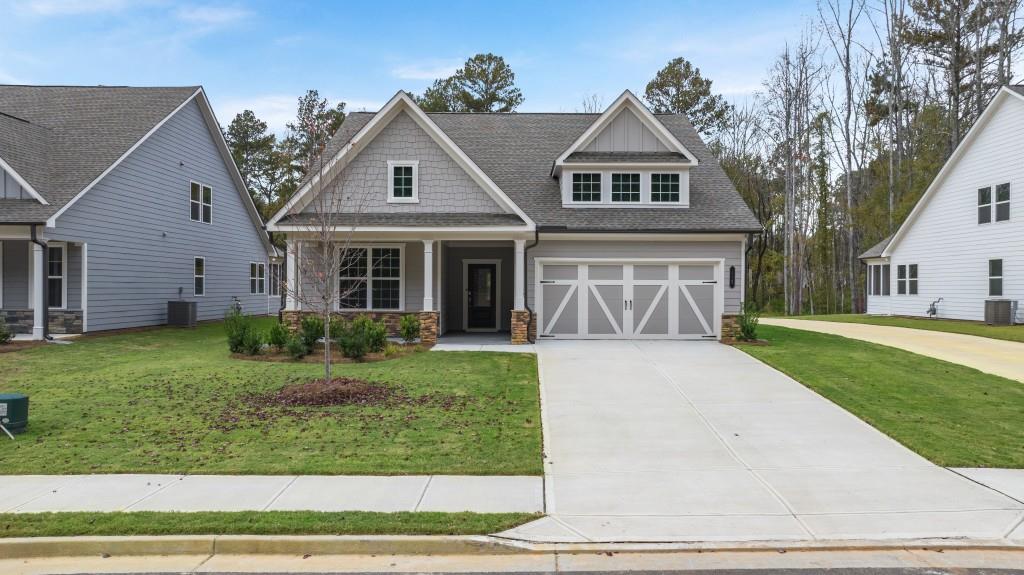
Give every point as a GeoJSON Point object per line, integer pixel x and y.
{"type": "Point", "coordinates": [321, 393]}
{"type": "Point", "coordinates": [317, 355]}
{"type": "Point", "coordinates": [19, 345]}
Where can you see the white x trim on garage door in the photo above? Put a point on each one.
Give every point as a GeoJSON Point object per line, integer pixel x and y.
{"type": "Point", "coordinates": [632, 299]}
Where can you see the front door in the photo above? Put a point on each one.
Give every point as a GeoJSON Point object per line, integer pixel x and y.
{"type": "Point", "coordinates": [481, 296]}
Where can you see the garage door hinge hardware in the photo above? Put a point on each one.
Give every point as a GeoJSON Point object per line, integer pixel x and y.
{"type": "Point", "coordinates": [709, 282]}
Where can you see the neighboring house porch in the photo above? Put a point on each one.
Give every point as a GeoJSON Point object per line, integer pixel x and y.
{"type": "Point", "coordinates": [31, 275]}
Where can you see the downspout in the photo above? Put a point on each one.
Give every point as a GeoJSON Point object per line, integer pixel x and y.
{"type": "Point", "coordinates": [526, 282]}
{"type": "Point", "coordinates": [46, 284]}
{"type": "Point", "coordinates": [746, 268]}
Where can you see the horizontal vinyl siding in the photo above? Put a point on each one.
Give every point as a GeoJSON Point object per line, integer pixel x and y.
{"type": "Point", "coordinates": [950, 248]}
{"type": "Point", "coordinates": [141, 242]}
{"type": "Point", "coordinates": [731, 251]}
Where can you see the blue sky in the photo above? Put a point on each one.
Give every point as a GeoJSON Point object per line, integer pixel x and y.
{"type": "Point", "coordinates": [263, 55]}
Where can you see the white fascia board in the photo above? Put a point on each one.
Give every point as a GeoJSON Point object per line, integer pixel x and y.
{"type": "Point", "coordinates": [674, 166]}
{"type": "Point", "coordinates": [960, 150]}
{"type": "Point", "coordinates": [402, 102]}
{"type": "Point", "coordinates": [313, 228]}
{"type": "Point", "coordinates": [626, 100]}
{"type": "Point", "coordinates": [52, 221]}
{"type": "Point", "coordinates": [213, 125]}
{"type": "Point", "coordinates": [23, 182]}
{"type": "Point", "coordinates": [643, 236]}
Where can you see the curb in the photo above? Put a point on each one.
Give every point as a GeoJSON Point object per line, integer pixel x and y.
{"type": "Point", "coordinates": [38, 547]}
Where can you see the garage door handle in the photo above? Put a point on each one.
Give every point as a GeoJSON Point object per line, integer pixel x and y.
{"type": "Point", "coordinates": [547, 281]}
{"type": "Point", "coordinates": [627, 304]}
{"type": "Point", "coordinates": [709, 282]}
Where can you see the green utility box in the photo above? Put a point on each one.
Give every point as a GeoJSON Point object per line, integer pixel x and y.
{"type": "Point", "coordinates": [13, 412]}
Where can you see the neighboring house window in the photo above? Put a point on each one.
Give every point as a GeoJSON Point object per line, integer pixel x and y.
{"type": "Point", "coordinates": [199, 276]}
{"type": "Point", "coordinates": [665, 188]}
{"type": "Point", "coordinates": [201, 203]}
{"type": "Point", "coordinates": [879, 280]}
{"type": "Point", "coordinates": [55, 276]}
{"type": "Point", "coordinates": [885, 279]}
{"type": "Point", "coordinates": [995, 277]}
{"type": "Point", "coordinates": [257, 278]}
{"type": "Point", "coordinates": [403, 182]}
{"type": "Point", "coordinates": [586, 187]}
{"type": "Point", "coordinates": [625, 187]}
{"type": "Point", "coordinates": [370, 278]}
{"type": "Point", "coordinates": [275, 279]}
{"type": "Point", "coordinates": [912, 280]}
{"type": "Point", "coordinates": [1002, 202]}
{"type": "Point", "coordinates": [984, 205]}
{"type": "Point", "coordinates": [901, 280]}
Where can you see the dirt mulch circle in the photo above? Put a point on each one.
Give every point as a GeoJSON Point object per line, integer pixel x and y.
{"type": "Point", "coordinates": [322, 393]}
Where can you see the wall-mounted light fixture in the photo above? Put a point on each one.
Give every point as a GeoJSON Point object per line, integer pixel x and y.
{"type": "Point", "coordinates": [732, 277]}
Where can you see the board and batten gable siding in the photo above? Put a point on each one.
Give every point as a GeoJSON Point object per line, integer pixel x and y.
{"type": "Point", "coordinates": [730, 251]}
{"type": "Point", "coordinates": [10, 189]}
{"type": "Point", "coordinates": [444, 187]}
{"type": "Point", "coordinates": [946, 242]}
{"type": "Point", "coordinates": [141, 242]}
{"type": "Point", "coordinates": [626, 133]}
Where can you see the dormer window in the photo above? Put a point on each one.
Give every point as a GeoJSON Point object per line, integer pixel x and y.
{"type": "Point", "coordinates": [626, 188]}
{"type": "Point", "coordinates": [665, 188]}
{"type": "Point", "coordinates": [403, 182]}
{"type": "Point", "coordinates": [586, 187]}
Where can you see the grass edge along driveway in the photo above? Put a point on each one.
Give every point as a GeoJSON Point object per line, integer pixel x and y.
{"type": "Point", "coordinates": [169, 400]}
{"type": "Point", "coordinates": [70, 524]}
{"type": "Point", "coordinates": [952, 415]}
{"type": "Point", "coordinates": [979, 329]}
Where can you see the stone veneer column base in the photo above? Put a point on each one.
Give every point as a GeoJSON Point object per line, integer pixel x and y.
{"type": "Point", "coordinates": [730, 328]}
{"type": "Point", "coordinates": [392, 319]}
{"type": "Point", "coordinates": [62, 321]}
{"type": "Point", "coordinates": [522, 326]}
{"type": "Point", "coordinates": [428, 327]}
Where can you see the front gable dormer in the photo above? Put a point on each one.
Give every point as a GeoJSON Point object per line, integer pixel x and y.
{"type": "Point", "coordinates": [625, 158]}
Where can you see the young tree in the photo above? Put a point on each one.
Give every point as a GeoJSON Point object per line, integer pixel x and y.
{"type": "Point", "coordinates": [679, 88]}
{"type": "Point", "coordinates": [253, 149]}
{"type": "Point", "coordinates": [315, 123]}
{"type": "Point", "coordinates": [485, 83]}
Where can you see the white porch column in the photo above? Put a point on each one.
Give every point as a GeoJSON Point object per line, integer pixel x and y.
{"type": "Point", "coordinates": [38, 272]}
{"type": "Point", "coordinates": [428, 275]}
{"type": "Point", "coordinates": [292, 255]}
{"type": "Point", "coordinates": [519, 289]}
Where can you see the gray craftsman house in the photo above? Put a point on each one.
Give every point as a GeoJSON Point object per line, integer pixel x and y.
{"type": "Point", "coordinates": [115, 200]}
{"type": "Point", "coordinates": [572, 226]}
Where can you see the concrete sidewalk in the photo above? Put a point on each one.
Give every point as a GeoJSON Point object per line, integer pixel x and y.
{"type": "Point", "coordinates": [995, 356]}
{"type": "Point", "coordinates": [485, 494]}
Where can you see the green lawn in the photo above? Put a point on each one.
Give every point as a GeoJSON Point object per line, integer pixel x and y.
{"type": "Point", "coordinates": [257, 523]}
{"type": "Point", "coordinates": [173, 401]}
{"type": "Point", "coordinates": [1007, 332]}
{"type": "Point", "coordinates": [953, 415]}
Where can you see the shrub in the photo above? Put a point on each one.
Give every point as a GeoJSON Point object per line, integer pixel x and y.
{"type": "Point", "coordinates": [297, 347]}
{"type": "Point", "coordinates": [748, 320]}
{"type": "Point", "coordinates": [337, 329]}
{"type": "Point", "coordinates": [362, 335]}
{"type": "Point", "coordinates": [311, 330]}
{"type": "Point", "coordinates": [409, 328]}
{"type": "Point", "coordinates": [236, 325]}
{"type": "Point", "coordinates": [252, 341]}
{"type": "Point", "coordinates": [278, 336]}
{"type": "Point", "coordinates": [5, 334]}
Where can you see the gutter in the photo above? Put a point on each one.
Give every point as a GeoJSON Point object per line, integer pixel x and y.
{"type": "Point", "coordinates": [46, 285]}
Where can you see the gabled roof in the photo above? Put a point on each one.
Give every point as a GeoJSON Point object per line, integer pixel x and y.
{"type": "Point", "coordinates": [979, 125]}
{"type": "Point", "coordinates": [516, 151]}
{"type": "Point", "coordinates": [627, 101]}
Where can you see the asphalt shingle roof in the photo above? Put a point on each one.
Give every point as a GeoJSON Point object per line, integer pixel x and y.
{"type": "Point", "coordinates": [60, 138]}
{"type": "Point", "coordinates": [517, 152]}
{"type": "Point", "coordinates": [877, 249]}
{"type": "Point", "coordinates": [411, 219]}
{"type": "Point", "coordinates": [626, 157]}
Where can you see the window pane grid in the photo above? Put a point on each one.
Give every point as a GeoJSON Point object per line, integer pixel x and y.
{"type": "Point", "coordinates": [371, 276]}
{"type": "Point", "coordinates": [984, 205]}
{"type": "Point", "coordinates": [402, 182]}
{"type": "Point", "coordinates": [199, 276]}
{"type": "Point", "coordinates": [664, 187]}
{"type": "Point", "coordinates": [625, 187]}
{"type": "Point", "coordinates": [200, 203]}
{"type": "Point", "coordinates": [1002, 202]}
{"type": "Point", "coordinates": [995, 277]}
{"type": "Point", "coordinates": [586, 187]}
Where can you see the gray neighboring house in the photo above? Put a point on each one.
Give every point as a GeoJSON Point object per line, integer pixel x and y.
{"type": "Point", "coordinates": [114, 200]}
{"type": "Point", "coordinates": [571, 226]}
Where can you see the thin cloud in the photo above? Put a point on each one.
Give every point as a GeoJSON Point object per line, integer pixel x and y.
{"type": "Point", "coordinates": [8, 78]}
{"type": "Point", "coordinates": [212, 15]}
{"type": "Point", "coordinates": [70, 7]}
{"type": "Point", "coordinates": [428, 70]}
{"type": "Point", "coordinates": [277, 110]}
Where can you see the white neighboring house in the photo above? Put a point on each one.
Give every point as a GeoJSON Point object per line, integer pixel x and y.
{"type": "Point", "coordinates": [964, 240]}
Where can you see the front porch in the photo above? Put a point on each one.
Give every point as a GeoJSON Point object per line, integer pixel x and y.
{"type": "Point", "coordinates": [457, 287]}
{"type": "Point", "coordinates": [31, 275]}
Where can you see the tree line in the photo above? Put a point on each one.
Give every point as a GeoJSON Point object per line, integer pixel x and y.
{"type": "Point", "coordinates": [853, 120]}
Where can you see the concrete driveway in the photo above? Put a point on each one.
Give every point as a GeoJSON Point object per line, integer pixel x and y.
{"type": "Point", "coordinates": [995, 356]}
{"type": "Point", "coordinates": [697, 441]}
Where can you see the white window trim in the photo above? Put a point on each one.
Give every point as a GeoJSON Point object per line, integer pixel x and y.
{"type": "Point", "coordinates": [201, 203]}
{"type": "Point", "coordinates": [261, 289]}
{"type": "Point", "coordinates": [64, 271]}
{"type": "Point", "coordinates": [369, 278]}
{"type": "Point", "coordinates": [274, 279]}
{"type": "Point", "coordinates": [606, 188]}
{"type": "Point", "coordinates": [415, 165]}
{"type": "Point", "coordinates": [1002, 280]}
{"type": "Point", "coordinates": [996, 203]}
{"type": "Point", "coordinates": [195, 276]}
{"type": "Point", "coordinates": [611, 187]}
{"type": "Point", "coordinates": [602, 178]}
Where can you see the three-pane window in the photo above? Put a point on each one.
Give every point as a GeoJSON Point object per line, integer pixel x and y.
{"type": "Point", "coordinates": [625, 187]}
{"type": "Point", "coordinates": [257, 278]}
{"type": "Point", "coordinates": [586, 187]}
{"type": "Point", "coordinates": [370, 278]}
{"type": "Point", "coordinates": [201, 203]}
{"type": "Point", "coordinates": [55, 276]}
{"type": "Point", "coordinates": [199, 276]}
{"type": "Point", "coordinates": [665, 188]}
{"type": "Point", "coordinates": [995, 277]}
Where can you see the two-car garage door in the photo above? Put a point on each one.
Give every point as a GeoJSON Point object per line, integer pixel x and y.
{"type": "Point", "coordinates": [653, 299]}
